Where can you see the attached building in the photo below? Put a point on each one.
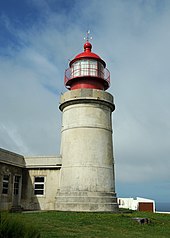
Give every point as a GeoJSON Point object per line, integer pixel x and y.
{"type": "Point", "coordinates": [28, 183]}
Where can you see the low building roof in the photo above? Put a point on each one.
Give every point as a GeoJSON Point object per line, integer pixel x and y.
{"type": "Point", "coordinates": [8, 157]}
{"type": "Point", "coordinates": [30, 162]}
{"type": "Point", "coordinates": [43, 162]}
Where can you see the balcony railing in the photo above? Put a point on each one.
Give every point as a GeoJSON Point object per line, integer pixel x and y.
{"type": "Point", "coordinates": [73, 73]}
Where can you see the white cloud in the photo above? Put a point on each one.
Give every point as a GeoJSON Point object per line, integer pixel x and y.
{"type": "Point", "coordinates": [133, 38]}
{"type": "Point", "coordinates": [10, 133]}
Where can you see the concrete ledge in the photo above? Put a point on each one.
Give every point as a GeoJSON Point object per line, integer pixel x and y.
{"type": "Point", "coordinates": [86, 96]}
{"type": "Point", "coordinates": [86, 201]}
{"type": "Point", "coordinates": [43, 162]}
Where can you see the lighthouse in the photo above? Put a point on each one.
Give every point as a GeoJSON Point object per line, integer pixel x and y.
{"type": "Point", "coordinates": [87, 181]}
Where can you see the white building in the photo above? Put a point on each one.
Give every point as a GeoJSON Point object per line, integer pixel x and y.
{"type": "Point", "coordinates": [138, 204]}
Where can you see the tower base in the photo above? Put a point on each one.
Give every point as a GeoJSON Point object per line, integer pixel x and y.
{"type": "Point", "coordinates": [85, 201]}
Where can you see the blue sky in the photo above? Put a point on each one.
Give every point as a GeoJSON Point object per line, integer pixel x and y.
{"type": "Point", "coordinates": [37, 40]}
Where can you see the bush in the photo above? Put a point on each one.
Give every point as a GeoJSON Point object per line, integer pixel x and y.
{"type": "Point", "coordinates": [12, 227]}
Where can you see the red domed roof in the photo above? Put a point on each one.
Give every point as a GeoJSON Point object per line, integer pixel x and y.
{"type": "Point", "coordinates": [87, 54]}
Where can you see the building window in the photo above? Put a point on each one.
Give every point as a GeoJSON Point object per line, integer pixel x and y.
{"type": "Point", "coordinates": [16, 184]}
{"type": "Point", "coordinates": [39, 185]}
{"type": "Point", "coordinates": [5, 184]}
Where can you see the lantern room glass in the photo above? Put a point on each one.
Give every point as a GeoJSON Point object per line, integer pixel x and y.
{"type": "Point", "coordinates": [87, 67]}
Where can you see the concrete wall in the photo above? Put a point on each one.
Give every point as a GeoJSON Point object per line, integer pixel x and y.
{"type": "Point", "coordinates": [6, 200]}
{"type": "Point", "coordinates": [10, 164]}
{"type": "Point", "coordinates": [29, 201]}
{"type": "Point", "coordinates": [87, 148]}
{"type": "Point", "coordinates": [26, 169]}
{"type": "Point", "coordinates": [128, 203]}
{"type": "Point", "coordinates": [8, 157]}
{"type": "Point", "coordinates": [87, 176]}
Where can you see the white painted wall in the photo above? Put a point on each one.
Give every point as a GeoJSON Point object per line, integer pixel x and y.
{"type": "Point", "coordinates": [132, 203]}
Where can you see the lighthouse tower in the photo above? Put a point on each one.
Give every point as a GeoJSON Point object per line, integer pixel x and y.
{"type": "Point", "coordinates": [87, 181]}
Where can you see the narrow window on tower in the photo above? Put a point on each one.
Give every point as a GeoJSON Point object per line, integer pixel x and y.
{"type": "Point", "coordinates": [5, 184]}
{"type": "Point", "coordinates": [39, 185]}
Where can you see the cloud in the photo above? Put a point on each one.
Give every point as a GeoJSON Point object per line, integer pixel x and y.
{"type": "Point", "coordinates": [132, 37]}
{"type": "Point", "coordinates": [10, 133]}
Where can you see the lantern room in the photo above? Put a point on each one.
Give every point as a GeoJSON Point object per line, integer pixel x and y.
{"type": "Point", "coordinates": [87, 70]}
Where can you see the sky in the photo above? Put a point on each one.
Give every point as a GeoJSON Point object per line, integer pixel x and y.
{"type": "Point", "coordinates": [38, 38]}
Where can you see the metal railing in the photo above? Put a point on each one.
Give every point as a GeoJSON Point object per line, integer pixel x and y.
{"type": "Point", "coordinates": [72, 73]}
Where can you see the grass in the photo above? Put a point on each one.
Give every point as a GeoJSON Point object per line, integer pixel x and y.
{"type": "Point", "coordinates": [14, 227]}
{"type": "Point", "coordinates": [96, 225]}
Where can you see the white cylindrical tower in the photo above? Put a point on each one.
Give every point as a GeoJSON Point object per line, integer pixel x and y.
{"type": "Point", "coordinates": [87, 180]}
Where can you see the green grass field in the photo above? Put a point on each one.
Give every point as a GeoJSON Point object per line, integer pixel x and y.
{"type": "Point", "coordinates": [94, 225]}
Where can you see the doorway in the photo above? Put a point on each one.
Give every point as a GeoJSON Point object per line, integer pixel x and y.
{"type": "Point", "coordinates": [16, 191]}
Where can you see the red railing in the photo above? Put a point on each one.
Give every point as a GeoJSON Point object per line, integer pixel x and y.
{"type": "Point", "coordinates": [72, 73]}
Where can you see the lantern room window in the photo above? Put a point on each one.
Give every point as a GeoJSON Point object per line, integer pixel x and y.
{"type": "Point", "coordinates": [87, 67]}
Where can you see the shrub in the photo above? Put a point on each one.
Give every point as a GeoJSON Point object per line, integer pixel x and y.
{"type": "Point", "coordinates": [12, 227]}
